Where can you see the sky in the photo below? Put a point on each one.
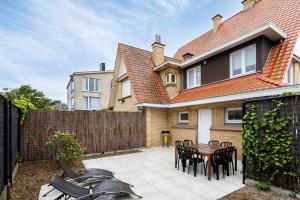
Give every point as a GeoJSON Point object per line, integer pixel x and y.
{"type": "Point", "coordinates": [42, 42]}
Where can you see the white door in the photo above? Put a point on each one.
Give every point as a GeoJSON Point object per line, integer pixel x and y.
{"type": "Point", "coordinates": [204, 124]}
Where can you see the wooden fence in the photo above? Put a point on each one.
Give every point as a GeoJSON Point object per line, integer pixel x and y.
{"type": "Point", "coordinates": [96, 131]}
{"type": "Point", "coordinates": [291, 108]}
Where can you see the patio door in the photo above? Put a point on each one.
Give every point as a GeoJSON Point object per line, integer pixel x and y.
{"type": "Point", "coordinates": [204, 124]}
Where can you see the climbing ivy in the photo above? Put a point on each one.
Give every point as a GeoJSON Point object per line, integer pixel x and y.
{"type": "Point", "coordinates": [267, 142]}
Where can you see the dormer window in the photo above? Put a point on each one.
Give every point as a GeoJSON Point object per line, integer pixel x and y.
{"type": "Point", "coordinates": [194, 77]}
{"type": "Point", "coordinates": [243, 61]}
{"type": "Point", "coordinates": [290, 75]}
{"type": "Point", "coordinates": [187, 55]}
{"type": "Point", "coordinates": [170, 78]}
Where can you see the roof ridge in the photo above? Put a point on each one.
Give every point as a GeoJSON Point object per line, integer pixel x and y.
{"type": "Point", "coordinates": [147, 51]}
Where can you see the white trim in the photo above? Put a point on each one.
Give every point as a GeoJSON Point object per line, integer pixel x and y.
{"type": "Point", "coordinates": [241, 96]}
{"type": "Point", "coordinates": [158, 68]}
{"type": "Point", "coordinates": [179, 117]}
{"type": "Point", "coordinates": [269, 28]}
{"type": "Point", "coordinates": [229, 121]}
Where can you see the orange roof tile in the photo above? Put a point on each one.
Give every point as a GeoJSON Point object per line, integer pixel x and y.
{"type": "Point", "coordinates": [239, 85]}
{"type": "Point", "coordinates": [285, 14]}
{"type": "Point", "coordinates": [146, 84]}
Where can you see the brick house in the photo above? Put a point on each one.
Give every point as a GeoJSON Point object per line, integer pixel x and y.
{"type": "Point", "coordinates": [198, 93]}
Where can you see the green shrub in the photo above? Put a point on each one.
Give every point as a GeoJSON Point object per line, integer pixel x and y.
{"type": "Point", "coordinates": [263, 186]}
{"type": "Point", "coordinates": [65, 145]}
{"type": "Point", "coordinates": [19, 157]}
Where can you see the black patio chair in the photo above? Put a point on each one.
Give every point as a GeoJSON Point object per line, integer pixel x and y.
{"type": "Point", "coordinates": [107, 187]}
{"type": "Point", "coordinates": [185, 156]}
{"type": "Point", "coordinates": [213, 143]}
{"type": "Point", "coordinates": [226, 144]}
{"type": "Point", "coordinates": [179, 150]}
{"type": "Point", "coordinates": [229, 159]}
{"type": "Point", "coordinates": [80, 177]}
{"type": "Point", "coordinates": [188, 142]}
{"type": "Point", "coordinates": [217, 160]}
{"type": "Point", "coordinates": [195, 160]}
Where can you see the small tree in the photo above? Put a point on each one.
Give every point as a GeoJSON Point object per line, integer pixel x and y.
{"type": "Point", "coordinates": [65, 145]}
{"type": "Point", "coordinates": [24, 105]}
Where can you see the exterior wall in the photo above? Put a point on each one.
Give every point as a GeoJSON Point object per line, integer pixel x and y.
{"type": "Point", "coordinates": [105, 87]}
{"type": "Point", "coordinates": [124, 104]}
{"type": "Point", "coordinates": [219, 130]}
{"type": "Point", "coordinates": [156, 121]}
{"type": "Point", "coordinates": [172, 89]}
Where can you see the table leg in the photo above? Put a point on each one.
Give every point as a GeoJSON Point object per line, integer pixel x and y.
{"type": "Point", "coordinates": [209, 167]}
{"type": "Point", "coordinates": [235, 159]}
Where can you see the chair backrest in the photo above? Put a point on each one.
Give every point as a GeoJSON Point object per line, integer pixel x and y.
{"type": "Point", "coordinates": [219, 156]}
{"type": "Point", "coordinates": [229, 152]}
{"type": "Point", "coordinates": [194, 152]}
{"type": "Point", "coordinates": [213, 143]}
{"type": "Point", "coordinates": [226, 144]}
{"type": "Point", "coordinates": [187, 152]}
{"type": "Point", "coordinates": [68, 188]}
{"type": "Point", "coordinates": [188, 142]}
{"type": "Point", "coordinates": [67, 171]}
{"type": "Point", "coordinates": [178, 143]}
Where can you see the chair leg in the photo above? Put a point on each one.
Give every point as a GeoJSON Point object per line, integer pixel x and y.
{"type": "Point", "coordinates": [227, 166]}
{"type": "Point", "coordinates": [217, 171]}
{"type": "Point", "coordinates": [205, 168]}
{"type": "Point", "coordinates": [195, 168]}
{"type": "Point", "coordinates": [183, 164]}
{"type": "Point", "coordinates": [232, 167]}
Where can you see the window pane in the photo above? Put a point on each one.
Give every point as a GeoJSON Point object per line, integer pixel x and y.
{"type": "Point", "coordinates": [167, 78]}
{"type": "Point", "coordinates": [250, 59]}
{"type": "Point", "coordinates": [198, 76]}
{"type": "Point", "coordinates": [236, 59]}
{"type": "Point", "coordinates": [94, 103]}
{"type": "Point", "coordinates": [235, 114]}
{"type": "Point", "coordinates": [290, 75]}
{"type": "Point", "coordinates": [191, 78]}
{"type": "Point", "coordinates": [86, 103]}
{"type": "Point", "coordinates": [126, 88]}
{"type": "Point", "coordinates": [184, 116]}
{"type": "Point", "coordinates": [97, 85]}
{"type": "Point", "coordinates": [173, 78]}
{"type": "Point", "coordinates": [91, 84]}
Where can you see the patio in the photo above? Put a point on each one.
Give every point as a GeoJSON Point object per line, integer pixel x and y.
{"type": "Point", "coordinates": [154, 176]}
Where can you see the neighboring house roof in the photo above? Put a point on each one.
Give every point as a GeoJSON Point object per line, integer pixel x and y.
{"type": "Point", "coordinates": [249, 83]}
{"type": "Point", "coordinates": [146, 84]}
{"type": "Point", "coordinates": [93, 72]}
{"type": "Point", "coordinates": [285, 14]}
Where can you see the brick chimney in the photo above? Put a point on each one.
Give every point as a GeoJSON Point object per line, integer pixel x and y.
{"type": "Point", "coordinates": [217, 21]}
{"type": "Point", "coordinates": [102, 66]}
{"type": "Point", "coordinates": [158, 48]}
{"type": "Point", "coordinates": [248, 4]}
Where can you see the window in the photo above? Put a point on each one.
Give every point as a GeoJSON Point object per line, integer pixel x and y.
{"type": "Point", "coordinates": [290, 75]}
{"type": "Point", "coordinates": [170, 78]}
{"type": "Point", "coordinates": [183, 117]}
{"type": "Point", "coordinates": [126, 88]}
{"type": "Point", "coordinates": [72, 103]}
{"type": "Point", "coordinates": [233, 115]}
{"type": "Point", "coordinates": [91, 103]}
{"type": "Point", "coordinates": [194, 77]}
{"type": "Point", "coordinates": [90, 84]}
{"type": "Point", "coordinates": [243, 61]}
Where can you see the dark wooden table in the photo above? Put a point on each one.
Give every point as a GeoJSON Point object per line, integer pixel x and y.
{"type": "Point", "coordinates": [208, 150]}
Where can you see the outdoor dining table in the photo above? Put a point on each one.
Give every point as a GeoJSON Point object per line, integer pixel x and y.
{"type": "Point", "coordinates": [209, 150]}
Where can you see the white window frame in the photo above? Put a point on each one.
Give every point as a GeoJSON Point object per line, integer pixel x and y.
{"type": "Point", "coordinates": [290, 80]}
{"type": "Point", "coordinates": [122, 85]}
{"type": "Point", "coordinates": [195, 77]}
{"type": "Point", "coordinates": [179, 117]}
{"type": "Point", "coordinates": [88, 101]}
{"type": "Point", "coordinates": [84, 79]}
{"type": "Point", "coordinates": [169, 78]}
{"type": "Point", "coordinates": [243, 59]}
{"type": "Point", "coordinates": [228, 121]}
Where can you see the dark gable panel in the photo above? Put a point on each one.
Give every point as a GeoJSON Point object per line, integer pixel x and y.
{"type": "Point", "coordinates": [217, 67]}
